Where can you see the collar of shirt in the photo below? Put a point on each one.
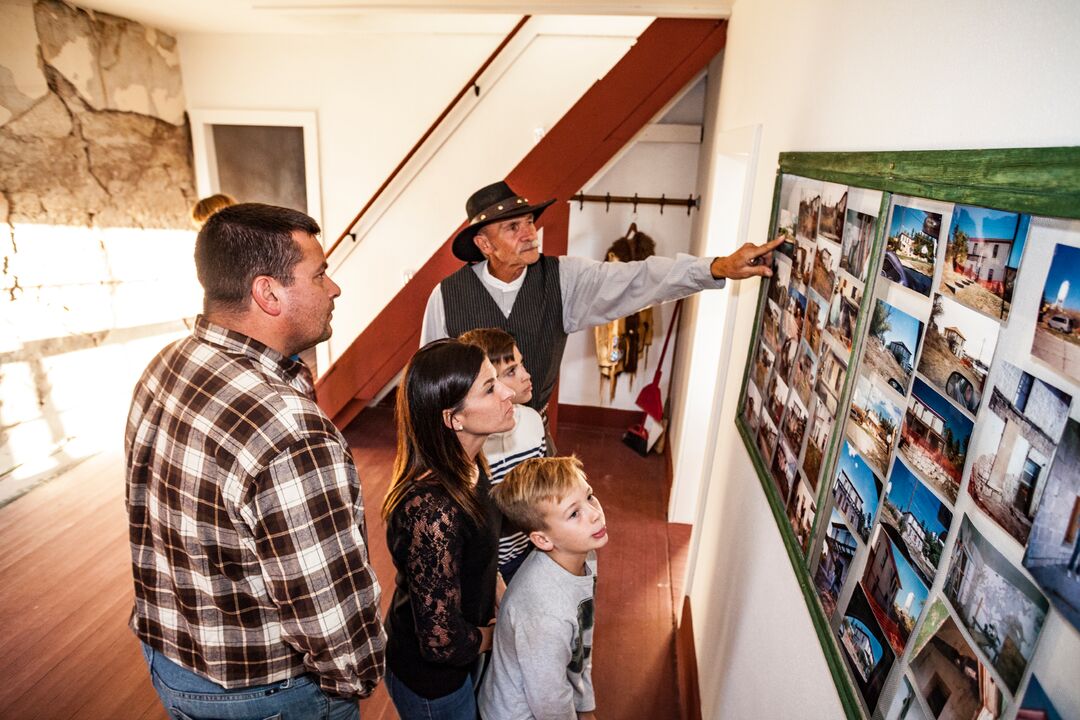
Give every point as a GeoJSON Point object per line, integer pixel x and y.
{"type": "Point", "coordinates": [488, 279]}
{"type": "Point", "coordinates": [294, 372]}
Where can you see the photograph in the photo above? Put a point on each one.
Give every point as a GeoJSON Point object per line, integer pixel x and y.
{"type": "Point", "coordinates": [770, 325]}
{"type": "Point", "coordinates": [794, 427]}
{"type": "Point", "coordinates": [855, 248]}
{"type": "Point", "coordinates": [821, 427]}
{"type": "Point", "coordinates": [803, 261]}
{"type": "Point", "coordinates": [894, 591]}
{"type": "Point", "coordinates": [934, 440]}
{"type": "Point", "coordinates": [948, 674]}
{"type": "Point", "coordinates": [1036, 704]}
{"type": "Point", "coordinates": [784, 469]}
{"type": "Point", "coordinates": [785, 358]}
{"type": "Point", "coordinates": [826, 260]}
{"type": "Point", "coordinates": [891, 344]}
{"type": "Point", "coordinates": [776, 394]}
{"type": "Point", "coordinates": [837, 551]}
{"type": "Point", "coordinates": [752, 407]}
{"type": "Point", "coordinates": [904, 705]}
{"type": "Point", "coordinates": [957, 351]}
{"type": "Point", "coordinates": [856, 491]}
{"type": "Point", "coordinates": [817, 312]}
{"type": "Point", "coordinates": [790, 194]}
{"type": "Point", "coordinates": [911, 248]}
{"type": "Point", "coordinates": [1001, 609]}
{"type": "Point", "coordinates": [1015, 444]}
{"type": "Point", "coordinates": [1053, 551]}
{"type": "Point", "coordinates": [800, 513]}
{"type": "Point", "coordinates": [831, 377]}
{"type": "Point", "coordinates": [802, 377]}
{"type": "Point", "coordinates": [767, 437]}
{"type": "Point", "coordinates": [844, 310]}
{"type": "Point", "coordinates": [780, 280]}
{"type": "Point", "coordinates": [809, 195]}
{"type": "Point", "coordinates": [982, 254]}
{"type": "Point", "coordinates": [833, 206]}
{"type": "Point", "coordinates": [865, 648]}
{"type": "Point", "coordinates": [875, 420]}
{"type": "Point", "coordinates": [1057, 333]}
{"type": "Point", "coordinates": [917, 517]}
{"type": "Point", "coordinates": [791, 317]}
{"type": "Point", "coordinates": [763, 363]}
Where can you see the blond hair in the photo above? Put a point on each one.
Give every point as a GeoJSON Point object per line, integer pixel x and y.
{"type": "Point", "coordinates": [208, 206]}
{"type": "Point", "coordinates": [534, 481]}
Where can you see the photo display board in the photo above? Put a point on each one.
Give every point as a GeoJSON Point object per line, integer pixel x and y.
{"type": "Point", "coordinates": [911, 403]}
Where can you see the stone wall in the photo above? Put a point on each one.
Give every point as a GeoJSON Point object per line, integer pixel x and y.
{"type": "Point", "coordinates": [96, 183]}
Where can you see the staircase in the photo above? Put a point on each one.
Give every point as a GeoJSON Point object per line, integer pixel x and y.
{"type": "Point", "coordinates": [666, 56]}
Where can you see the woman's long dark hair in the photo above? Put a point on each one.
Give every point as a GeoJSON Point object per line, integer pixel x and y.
{"type": "Point", "coordinates": [437, 378]}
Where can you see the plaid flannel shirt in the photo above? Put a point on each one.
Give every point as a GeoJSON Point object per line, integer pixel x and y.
{"type": "Point", "coordinates": [248, 542]}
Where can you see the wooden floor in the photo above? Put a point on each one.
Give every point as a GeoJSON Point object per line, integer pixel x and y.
{"type": "Point", "coordinates": [65, 585]}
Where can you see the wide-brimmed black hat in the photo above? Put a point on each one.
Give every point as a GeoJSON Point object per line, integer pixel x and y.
{"type": "Point", "coordinates": [487, 205]}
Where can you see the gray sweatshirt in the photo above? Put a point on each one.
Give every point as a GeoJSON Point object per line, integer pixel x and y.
{"type": "Point", "coordinates": [541, 663]}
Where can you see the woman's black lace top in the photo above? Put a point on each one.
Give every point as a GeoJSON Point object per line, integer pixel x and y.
{"type": "Point", "coordinates": [444, 588]}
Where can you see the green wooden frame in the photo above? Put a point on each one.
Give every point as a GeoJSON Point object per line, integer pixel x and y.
{"type": "Point", "coordinates": [1038, 181]}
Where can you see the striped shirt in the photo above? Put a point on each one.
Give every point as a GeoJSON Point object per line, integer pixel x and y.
{"type": "Point", "coordinates": [506, 451]}
{"type": "Point", "coordinates": [248, 544]}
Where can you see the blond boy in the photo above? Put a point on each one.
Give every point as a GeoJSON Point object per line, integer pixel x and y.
{"type": "Point", "coordinates": [541, 664]}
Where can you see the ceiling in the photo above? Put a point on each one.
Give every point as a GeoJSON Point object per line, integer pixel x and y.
{"type": "Point", "coordinates": [378, 16]}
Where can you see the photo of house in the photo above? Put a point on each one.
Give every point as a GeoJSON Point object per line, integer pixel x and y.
{"type": "Point", "coordinates": [770, 325]}
{"type": "Point", "coordinates": [763, 363]}
{"type": "Point", "coordinates": [821, 427]}
{"type": "Point", "coordinates": [1036, 704]}
{"type": "Point", "coordinates": [831, 377]}
{"type": "Point", "coordinates": [1001, 609]}
{"type": "Point", "coordinates": [780, 280]}
{"type": "Point", "coordinates": [837, 551]}
{"type": "Point", "coordinates": [794, 311]}
{"type": "Point", "coordinates": [1057, 334]}
{"type": "Point", "coordinates": [904, 705]}
{"type": "Point", "coordinates": [911, 249]}
{"type": "Point", "coordinates": [752, 407]}
{"type": "Point", "coordinates": [948, 673]}
{"type": "Point", "coordinates": [855, 247]}
{"type": "Point", "coordinates": [1053, 551]}
{"type": "Point", "coordinates": [917, 517]}
{"type": "Point", "coordinates": [891, 344]}
{"type": "Point", "coordinates": [802, 377]}
{"type": "Point", "coordinates": [776, 394]}
{"type": "Point", "coordinates": [874, 422]}
{"type": "Point", "coordinates": [934, 439]}
{"type": "Point", "coordinates": [784, 469]}
{"type": "Point", "coordinates": [865, 648]}
{"type": "Point", "coordinates": [856, 491]}
{"type": "Point", "coordinates": [1017, 440]}
{"type": "Point", "coordinates": [809, 207]}
{"type": "Point", "coordinates": [957, 351]}
{"type": "Point", "coordinates": [794, 426]}
{"type": "Point", "coordinates": [981, 258]}
{"type": "Point", "coordinates": [817, 312]}
{"type": "Point", "coordinates": [801, 509]}
{"type": "Point", "coordinates": [767, 436]}
{"type": "Point", "coordinates": [831, 216]}
{"type": "Point", "coordinates": [785, 358]}
{"type": "Point", "coordinates": [826, 261]}
{"type": "Point", "coordinates": [803, 261]}
{"type": "Point", "coordinates": [895, 593]}
{"type": "Point", "coordinates": [844, 310]}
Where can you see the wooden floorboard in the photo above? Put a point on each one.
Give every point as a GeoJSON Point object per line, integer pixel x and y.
{"type": "Point", "coordinates": [65, 585]}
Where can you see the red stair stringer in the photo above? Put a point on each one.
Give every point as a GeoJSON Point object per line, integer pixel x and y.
{"type": "Point", "coordinates": [662, 61]}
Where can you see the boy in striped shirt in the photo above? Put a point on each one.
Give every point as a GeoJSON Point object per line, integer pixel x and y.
{"type": "Point", "coordinates": [506, 450]}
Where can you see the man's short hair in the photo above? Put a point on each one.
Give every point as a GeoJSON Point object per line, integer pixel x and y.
{"type": "Point", "coordinates": [534, 481]}
{"type": "Point", "coordinates": [241, 242]}
{"type": "Point", "coordinates": [497, 344]}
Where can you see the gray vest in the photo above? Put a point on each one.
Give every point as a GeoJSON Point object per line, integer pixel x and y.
{"type": "Point", "coordinates": [535, 320]}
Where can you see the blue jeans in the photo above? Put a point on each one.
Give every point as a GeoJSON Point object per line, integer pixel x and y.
{"type": "Point", "coordinates": [458, 705]}
{"type": "Point", "coordinates": [189, 696]}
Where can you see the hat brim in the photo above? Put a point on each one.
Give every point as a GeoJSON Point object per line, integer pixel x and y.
{"type": "Point", "coordinates": [465, 249]}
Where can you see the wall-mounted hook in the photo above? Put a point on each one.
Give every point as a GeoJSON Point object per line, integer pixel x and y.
{"type": "Point", "coordinates": [476, 89]}
{"type": "Point", "coordinates": [581, 201]}
{"type": "Point", "coordinates": [635, 205]}
{"type": "Point", "coordinates": [607, 202]}
{"type": "Point", "coordinates": [663, 199]}
{"type": "Point", "coordinates": [690, 203]}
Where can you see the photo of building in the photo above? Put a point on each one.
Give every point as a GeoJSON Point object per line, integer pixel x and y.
{"type": "Point", "coordinates": [855, 248]}
{"type": "Point", "coordinates": [1002, 609]}
{"type": "Point", "coordinates": [891, 345]}
{"type": "Point", "coordinates": [874, 420]}
{"type": "Point", "coordinates": [865, 648]}
{"type": "Point", "coordinates": [837, 552]}
{"type": "Point", "coordinates": [934, 440]}
{"type": "Point", "coordinates": [894, 591]}
{"type": "Point", "coordinates": [917, 517]}
{"type": "Point", "coordinates": [912, 248]}
{"type": "Point", "coordinates": [981, 258]}
{"type": "Point", "coordinates": [801, 510]}
{"type": "Point", "coordinates": [958, 350]}
{"type": "Point", "coordinates": [1017, 440]}
{"type": "Point", "coordinates": [1057, 334]}
{"type": "Point", "coordinates": [856, 491]}
{"type": "Point", "coordinates": [844, 310]}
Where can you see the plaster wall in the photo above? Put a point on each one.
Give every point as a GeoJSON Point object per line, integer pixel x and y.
{"type": "Point", "coordinates": [840, 75]}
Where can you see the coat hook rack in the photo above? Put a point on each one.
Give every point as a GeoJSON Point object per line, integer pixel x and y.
{"type": "Point", "coordinates": [689, 203]}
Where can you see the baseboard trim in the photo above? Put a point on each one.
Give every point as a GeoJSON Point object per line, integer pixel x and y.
{"type": "Point", "coordinates": [686, 665]}
{"type": "Point", "coordinates": [599, 416]}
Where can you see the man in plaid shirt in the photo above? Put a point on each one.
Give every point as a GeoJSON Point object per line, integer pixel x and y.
{"type": "Point", "coordinates": [254, 595]}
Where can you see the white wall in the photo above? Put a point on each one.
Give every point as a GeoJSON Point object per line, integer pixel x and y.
{"type": "Point", "coordinates": [843, 75]}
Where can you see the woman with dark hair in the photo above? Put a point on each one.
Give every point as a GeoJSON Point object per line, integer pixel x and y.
{"type": "Point", "coordinates": [442, 530]}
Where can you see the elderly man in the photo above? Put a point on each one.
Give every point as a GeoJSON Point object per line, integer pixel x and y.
{"type": "Point", "coordinates": [540, 300]}
{"type": "Point", "coordinates": [254, 595]}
